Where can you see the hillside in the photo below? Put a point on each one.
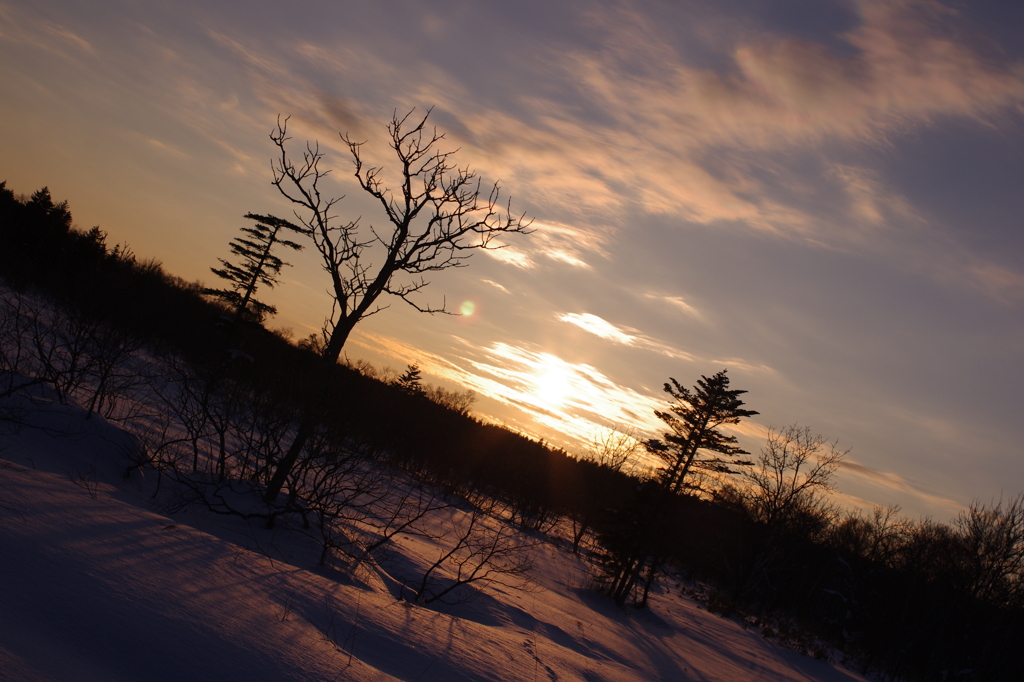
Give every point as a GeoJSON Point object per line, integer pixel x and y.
{"type": "Point", "coordinates": [102, 587]}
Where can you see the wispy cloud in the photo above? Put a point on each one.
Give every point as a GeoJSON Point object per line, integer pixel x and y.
{"type": "Point", "coordinates": [677, 302]}
{"type": "Point", "coordinates": [497, 286]}
{"type": "Point", "coordinates": [898, 486]}
{"type": "Point", "coordinates": [570, 398]}
{"type": "Point", "coordinates": [998, 281]}
{"type": "Point", "coordinates": [665, 119]}
{"type": "Point", "coordinates": [20, 27]}
{"type": "Point", "coordinates": [674, 137]}
{"type": "Point", "coordinates": [573, 246]}
{"type": "Point", "coordinates": [870, 201]}
{"type": "Point", "coordinates": [601, 327]}
{"type": "Point", "coordinates": [626, 336]}
{"type": "Point", "coordinates": [511, 255]}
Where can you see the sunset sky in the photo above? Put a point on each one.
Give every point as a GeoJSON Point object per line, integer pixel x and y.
{"type": "Point", "coordinates": [826, 198]}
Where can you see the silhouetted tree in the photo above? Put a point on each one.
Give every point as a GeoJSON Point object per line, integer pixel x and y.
{"type": "Point", "coordinates": [257, 265]}
{"type": "Point", "coordinates": [992, 540]}
{"type": "Point", "coordinates": [787, 498]}
{"type": "Point", "coordinates": [410, 381]}
{"type": "Point", "coordinates": [457, 401]}
{"type": "Point", "coordinates": [694, 442]}
{"type": "Point", "coordinates": [795, 472]}
{"type": "Point", "coordinates": [436, 218]}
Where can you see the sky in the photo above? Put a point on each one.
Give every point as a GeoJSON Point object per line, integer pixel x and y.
{"type": "Point", "coordinates": [823, 198]}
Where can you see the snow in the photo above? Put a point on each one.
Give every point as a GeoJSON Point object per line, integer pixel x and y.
{"type": "Point", "coordinates": [97, 585]}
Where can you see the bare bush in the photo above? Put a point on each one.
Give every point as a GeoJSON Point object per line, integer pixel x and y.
{"type": "Point", "coordinates": [876, 537]}
{"type": "Point", "coordinates": [476, 548]}
{"type": "Point", "coordinates": [457, 401]}
{"type": "Point", "coordinates": [76, 355]}
{"type": "Point", "coordinates": [789, 485]}
{"type": "Point", "coordinates": [613, 448]}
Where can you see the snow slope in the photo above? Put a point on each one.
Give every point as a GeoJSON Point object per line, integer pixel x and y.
{"type": "Point", "coordinates": [96, 586]}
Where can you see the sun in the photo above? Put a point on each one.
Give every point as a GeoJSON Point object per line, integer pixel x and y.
{"type": "Point", "coordinates": [552, 385]}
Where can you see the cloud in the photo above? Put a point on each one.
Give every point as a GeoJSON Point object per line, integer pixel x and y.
{"type": "Point", "coordinates": [780, 93]}
{"type": "Point", "coordinates": [909, 67]}
{"type": "Point", "coordinates": [497, 286]}
{"type": "Point", "coordinates": [750, 429]}
{"type": "Point", "coordinates": [572, 397]}
{"type": "Point", "coordinates": [637, 125]}
{"type": "Point", "coordinates": [511, 255]}
{"type": "Point", "coordinates": [559, 242]}
{"type": "Point", "coordinates": [626, 336]}
{"type": "Point", "coordinates": [600, 327]}
{"type": "Point", "coordinates": [164, 147]}
{"type": "Point", "coordinates": [676, 302]}
{"type": "Point", "coordinates": [23, 28]}
{"type": "Point", "coordinates": [740, 363]}
{"type": "Point", "coordinates": [999, 282]}
{"type": "Point", "coordinates": [870, 201]}
{"type": "Point", "coordinates": [897, 484]}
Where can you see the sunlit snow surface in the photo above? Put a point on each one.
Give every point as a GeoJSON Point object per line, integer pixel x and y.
{"type": "Point", "coordinates": [96, 586]}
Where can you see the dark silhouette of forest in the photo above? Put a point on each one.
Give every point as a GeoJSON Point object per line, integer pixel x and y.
{"type": "Point", "coordinates": [915, 600]}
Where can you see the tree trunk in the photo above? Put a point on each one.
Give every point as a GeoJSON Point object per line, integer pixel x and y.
{"type": "Point", "coordinates": [310, 415]}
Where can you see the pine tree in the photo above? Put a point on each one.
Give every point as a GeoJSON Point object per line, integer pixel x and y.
{"type": "Point", "coordinates": [695, 442]}
{"type": "Point", "coordinates": [257, 266]}
{"type": "Point", "coordinates": [410, 382]}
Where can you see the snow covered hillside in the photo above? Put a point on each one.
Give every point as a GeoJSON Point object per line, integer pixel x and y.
{"type": "Point", "coordinates": [97, 585]}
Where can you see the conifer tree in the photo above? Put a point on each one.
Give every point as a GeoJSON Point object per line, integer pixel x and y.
{"type": "Point", "coordinates": [694, 442]}
{"type": "Point", "coordinates": [411, 382]}
{"type": "Point", "coordinates": [257, 265]}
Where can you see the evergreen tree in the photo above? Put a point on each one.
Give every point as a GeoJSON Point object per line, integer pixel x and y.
{"type": "Point", "coordinates": [410, 382]}
{"type": "Point", "coordinates": [695, 442]}
{"type": "Point", "coordinates": [633, 539]}
{"type": "Point", "coordinates": [257, 265]}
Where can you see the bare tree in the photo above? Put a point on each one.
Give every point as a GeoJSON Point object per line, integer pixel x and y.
{"type": "Point", "coordinates": [613, 448]}
{"type": "Point", "coordinates": [992, 541]}
{"type": "Point", "coordinates": [438, 215]}
{"type": "Point", "coordinates": [876, 537]}
{"type": "Point", "coordinates": [792, 477]}
{"type": "Point", "coordinates": [787, 494]}
{"type": "Point", "coordinates": [19, 370]}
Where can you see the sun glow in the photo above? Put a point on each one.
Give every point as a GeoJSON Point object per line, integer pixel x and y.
{"type": "Point", "coordinates": [552, 384]}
